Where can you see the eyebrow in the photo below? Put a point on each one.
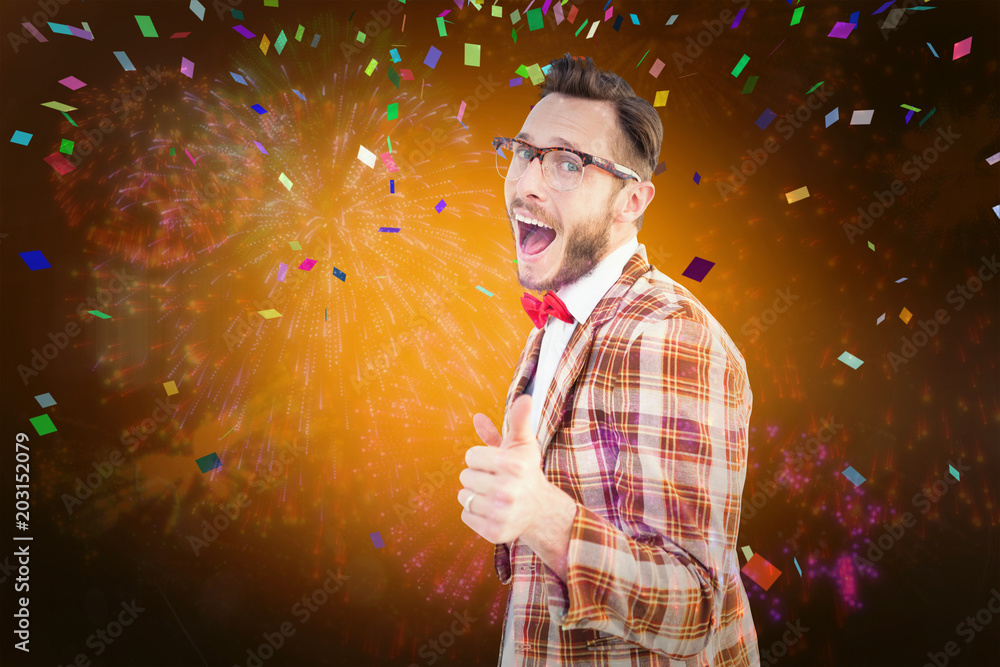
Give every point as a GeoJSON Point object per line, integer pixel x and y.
{"type": "Point", "coordinates": [559, 141]}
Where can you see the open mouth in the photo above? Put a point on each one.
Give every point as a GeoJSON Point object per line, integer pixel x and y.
{"type": "Point", "coordinates": [533, 239]}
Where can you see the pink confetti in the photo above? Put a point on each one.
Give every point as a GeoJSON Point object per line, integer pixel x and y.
{"type": "Point", "coordinates": [962, 48]}
{"type": "Point", "coordinates": [190, 157]}
{"type": "Point", "coordinates": [390, 163]}
{"type": "Point", "coordinates": [282, 271]}
{"type": "Point", "coordinates": [72, 83]}
{"type": "Point", "coordinates": [307, 264]}
{"type": "Point", "coordinates": [187, 67]}
{"type": "Point", "coordinates": [59, 162]}
{"type": "Point", "coordinates": [34, 32]}
{"type": "Point", "coordinates": [461, 111]}
{"type": "Point", "coordinates": [656, 68]}
{"type": "Point", "coordinates": [406, 74]}
{"type": "Point", "coordinates": [841, 30]}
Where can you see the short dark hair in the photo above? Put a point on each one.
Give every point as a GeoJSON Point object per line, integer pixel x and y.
{"type": "Point", "coordinates": [640, 128]}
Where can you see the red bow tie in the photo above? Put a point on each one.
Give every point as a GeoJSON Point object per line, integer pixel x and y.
{"type": "Point", "coordinates": [550, 304]}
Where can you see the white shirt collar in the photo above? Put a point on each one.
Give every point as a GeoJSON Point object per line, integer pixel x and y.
{"type": "Point", "coordinates": [582, 296]}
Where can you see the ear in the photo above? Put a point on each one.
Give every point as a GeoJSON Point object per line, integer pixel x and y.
{"type": "Point", "coordinates": [638, 196]}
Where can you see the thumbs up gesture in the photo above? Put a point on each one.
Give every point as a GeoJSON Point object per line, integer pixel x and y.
{"type": "Point", "coordinates": [504, 479]}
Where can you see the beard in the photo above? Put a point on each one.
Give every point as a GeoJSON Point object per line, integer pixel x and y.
{"type": "Point", "coordinates": [582, 249]}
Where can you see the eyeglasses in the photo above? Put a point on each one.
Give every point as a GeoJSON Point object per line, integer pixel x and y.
{"type": "Point", "coordinates": [561, 167]}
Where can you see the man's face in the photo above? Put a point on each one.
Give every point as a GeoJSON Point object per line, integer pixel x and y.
{"type": "Point", "coordinates": [586, 220]}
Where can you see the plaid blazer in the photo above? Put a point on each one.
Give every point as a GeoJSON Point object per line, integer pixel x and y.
{"type": "Point", "coordinates": [645, 425]}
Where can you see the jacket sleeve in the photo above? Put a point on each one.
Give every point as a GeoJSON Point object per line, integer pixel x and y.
{"type": "Point", "coordinates": [681, 413]}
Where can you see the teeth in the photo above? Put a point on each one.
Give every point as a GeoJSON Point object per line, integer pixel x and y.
{"type": "Point", "coordinates": [531, 221]}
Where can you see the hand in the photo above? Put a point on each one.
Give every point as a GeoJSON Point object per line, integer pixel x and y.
{"type": "Point", "coordinates": [511, 491]}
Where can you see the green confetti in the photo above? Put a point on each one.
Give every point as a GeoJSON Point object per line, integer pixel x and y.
{"type": "Point", "coordinates": [392, 111]}
{"type": "Point", "coordinates": [43, 424]}
{"type": "Point", "coordinates": [146, 26]}
{"type": "Point", "coordinates": [740, 65]}
{"type": "Point", "coordinates": [748, 87]}
{"type": "Point", "coordinates": [797, 15]}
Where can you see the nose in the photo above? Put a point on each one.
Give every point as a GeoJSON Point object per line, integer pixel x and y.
{"type": "Point", "coordinates": [532, 181]}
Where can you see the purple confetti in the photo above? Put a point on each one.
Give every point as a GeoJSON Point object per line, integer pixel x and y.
{"type": "Point", "coordinates": [736, 21]}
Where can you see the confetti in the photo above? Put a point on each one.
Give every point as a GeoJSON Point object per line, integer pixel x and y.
{"type": "Point", "coordinates": [246, 33]}
{"type": "Point", "coordinates": [856, 478]}
{"type": "Point", "coordinates": [307, 264]}
{"type": "Point", "coordinates": [72, 83]}
{"type": "Point", "coordinates": [59, 162]}
{"type": "Point", "coordinates": [905, 315]}
{"type": "Point", "coordinates": [440, 206]}
{"type": "Point", "coordinates": [285, 181]}
{"type": "Point", "coordinates": [747, 553]}
{"type": "Point", "coordinates": [661, 98]}
{"type": "Point", "coordinates": [850, 360]}
{"type": "Point", "coordinates": [43, 424]}
{"type": "Point", "coordinates": [740, 65]}
{"type": "Point", "coordinates": [238, 79]}
{"type": "Point", "coordinates": [392, 111]}
{"type": "Point", "coordinates": [698, 269]}
{"type": "Point", "coordinates": [21, 138]}
{"type": "Point", "coordinates": [962, 48]}
{"type": "Point", "coordinates": [208, 463]}
{"type": "Point", "coordinates": [97, 313]}
{"type": "Point", "coordinates": [187, 68]}
{"type": "Point", "coordinates": [832, 117]}
{"type": "Point", "coordinates": [739, 17]}
{"type": "Point", "coordinates": [198, 9]}
{"type": "Point", "coordinates": [171, 388]}
{"type": "Point", "coordinates": [765, 119]}
{"type": "Point", "coordinates": [951, 468]}
{"type": "Point", "coordinates": [124, 60]}
{"type": "Point", "coordinates": [842, 30]}
{"type": "Point", "coordinates": [259, 109]}
{"type": "Point", "coordinates": [376, 539]}
{"type": "Point", "coordinates": [433, 55]}
{"type": "Point", "coordinates": [797, 195]}
{"type": "Point", "coordinates": [472, 53]}
{"type": "Point", "coordinates": [535, 20]}
{"type": "Point", "coordinates": [862, 117]}
{"type": "Point", "coordinates": [45, 400]}
{"type": "Point", "coordinates": [761, 572]}
{"type": "Point", "coordinates": [282, 271]}
{"type": "Point", "coordinates": [146, 26]}
{"type": "Point", "coordinates": [697, 178]}
{"type": "Point", "coordinates": [269, 314]}
{"type": "Point", "coordinates": [261, 148]}
{"type": "Point", "coordinates": [656, 68]}
{"type": "Point", "coordinates": [749, 86]}
{"type": "Point", "coordinates": [366, 156]}
{"type": "Point", "coordinates": [35, 260]}
{"type": "Point", "coordinates": [671, 20]}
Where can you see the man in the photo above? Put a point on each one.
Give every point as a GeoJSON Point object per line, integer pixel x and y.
{"type": "Point", "coordinates": [613, 495]}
